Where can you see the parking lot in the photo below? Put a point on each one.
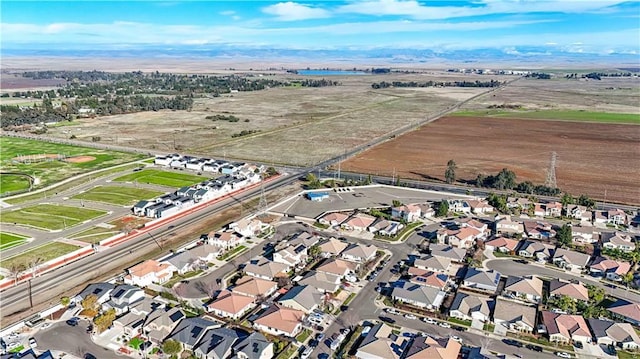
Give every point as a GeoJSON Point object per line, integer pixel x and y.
{"type": "Point", "coordinates": [357, 197]}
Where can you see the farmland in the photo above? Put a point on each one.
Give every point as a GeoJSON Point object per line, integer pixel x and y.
{"type": "Point", "coordinates": [50, 217]}
{"type": "Point", "coordinates": [557, 115]}
{"type": "Point", "coordinates": [121, 196]}
{"type": "Point", "coordinates": [9, 240]}
{"type": "Point", "coordinates": [161, 178]}
{"type": "Point", "coordinates": [45, 253]}
{"type": "Point", "coordinates": [50, 162]}
{"type": "Point", "coordinates": [592, 157]}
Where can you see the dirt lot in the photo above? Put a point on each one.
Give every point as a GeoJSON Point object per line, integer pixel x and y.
{"type": "Point", "coordinates": [592, 157]}
{"type": "Point", "coordinates": [297, 125]}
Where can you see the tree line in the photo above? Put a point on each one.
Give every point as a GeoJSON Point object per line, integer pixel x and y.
{"type": "Point", "coordinates": [538, 75]}
{"type": "Point", "coordinates": [477, 83]}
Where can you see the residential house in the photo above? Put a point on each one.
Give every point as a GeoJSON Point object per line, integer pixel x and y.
{"type": "Point", "coordinates": [409, 213]}
{"type": "Point", "coordinates": [456, 255]}
{"type": "Point", "coordinates": [626, 311]}
{"type": "Point", "coordinates": [183, 261]}
{"type": "Point", "coordinates": [230, 305]}
{"type": "Point", "coordinates": [513, 316]}
{"type": "Point", "coordinates": [266, 269]}
{"type": "Point", "coordinates": [480, 206]}
{"type": "Point", "coordinates": [205, 253]}
{"type": "Point", "coordinates": [429, 279]}
{"type": "Point", "coordinates": [418, 295]}
{"type": "Point", "coordinates": [358, 222]}
{"type": "Point", "coordinates": [464, 237]}
{"type": "Point", "coordinates": [527, 287]}
{"type": "Point", "coordinates": [432, 348]}
{"type": "Point", "coordinates": [218, 343]}
{"type": "Point", "coordinates": [521, 203]}
{"type": "Point", "coordinates": [359, 253]}
{"type": "Point", "coordinates": [324, 282]}
{"type": "Point", "coordinates": [616, 216]}
{"type": "Point", "coordinates": [574, 289]}
{"type": "Point", "coordinates": [381, 343]}
{"type": "Point", "coordinates": [333, 219]}
{"type": "Point", "coordinates": [583, 234]}
{"type": "Point", "coordinates": [385, 227]}
{"type": "Point", "coordinates": [540, 251]}
{"type": "Point", "coordinates": [573, 261]}
{"type": "Point", "coordinates": [255, 346]}
{"type": "Point", "coordinates": [459, 206]}
{"type": "Point", "coordinates": [305, 238]}
{"type": "Point", "coordinates": [332, 247]}
{"type": "Point", "coordinates": [538, 230]}
{"type": "Point", "coordinates": [467, 306]}
{"type": "Point", "coordinates": [291, 256]}
{"type": "Point", "coordinates": [161, 321]}
{"type": "Point", "coordinates": [304, 298]}
{"type": "Point", "coordinates": [278, 320]}
{"type": "Point", "coordinates": [502, 245]}
{"type": "Point", "coordinates": [190, 331]}
{"type": "Point", "coordinates": [130, 324]}
{"type": "Point", "coordinates": [337, 267]}
{"type": "Point", "coordinates": [504, 225]}
{"type": "Point", "coordinates": [145, 306]}
{"type": "Point", "coordinates": [552, 209]}
{"type": "Point", "coordinates": [102, 291]}
{"type": "Point", "coordinates": [606, 332]}
{"type": "Point", "coordinates": [433, 263]}
{"type": "Point", "coordinates": [254, 287]}
{"type": "Point", "coordinates": [122, 297]}
{"type": "Point", "coordinates": [149, 271]}
{"type": "Point", "coordinates": [618, 240]}
{"type": "Point", "coordinates": [224, 240]}
{"type": "Point", "coordinates": [481, 280]}
{"type": "Point", "coordinates": [247, 227]}
{"type": "Point", "coordinates": [578, 212]}
{"type": "Point", "coordinates": [139, 209]}
{"type": "Point", "coordinates": [565, 328]}
{"type": "Point", "coordinates": [609, 268]}
{"type": "Point", "coordinates": [426, 210]}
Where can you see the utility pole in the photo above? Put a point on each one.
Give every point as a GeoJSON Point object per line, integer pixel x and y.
{"type": "Point", "coordinates": [154, 239]}
{"type": "Point", "coordinates": [30, 297]}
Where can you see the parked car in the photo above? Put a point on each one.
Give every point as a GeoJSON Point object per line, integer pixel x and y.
{"type": "Point", "coordinates": [410, 316]}
{"type": "Point", "coordinates": [387, 319]}
{"type": "Point", "coordinates": [73, 321]}
{"type": "Point", "coordinates": [89, 356]}
{"type": "Point", "coordinates": [429, 320]}
{"type": "Point", "coordinates": [578, 345]}
{"type": "Point", "coordinates": [456, 338]}
{"type": "Point", "coordinates": [512, 342]}
{"type": "Point", "coordinates": [391, 311]}
{"type": "Point", "coordinates": [535, 348]}
{"type": "Point", "coordinates": [33, 343]}
{"type": "Point", "coordinates": [319, 337]}
{"type": "Point", "coordinates": [306, 352]}
{"type": "Point", "coordinates": [563, 355]}
{"type": "Point", "coordinates": [444, 325]}
{"type": "Point", "coordinates": [45, 325]}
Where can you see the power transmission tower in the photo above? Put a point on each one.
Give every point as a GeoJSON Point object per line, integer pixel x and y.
{"type": "Point", "coordinates": [551, 172]}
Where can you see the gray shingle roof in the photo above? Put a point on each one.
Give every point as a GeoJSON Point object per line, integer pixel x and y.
{"type": "Point", "coordinates": [253, 345]}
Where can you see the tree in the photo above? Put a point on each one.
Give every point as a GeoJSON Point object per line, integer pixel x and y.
{"type": "Point", "coordinates": [33, 263]}
{"type": "Point", "coordinates": [584, 200]}
{"type": "Point", "coordinates": [15, 270]}
{"type": "Point", "coordinates": [596, 294]}
{"type": "Point", "coordinates": [627, 278]}
{"type": "Point", "coordinates": [171, 347]}
{"type": "Point", "coordinates": [566, 199]}
{"type": "Point", "coordinates": [396, 203]}
{"type": "Point", "coordinates": [498, 202]}
{"type": "Point", "coordinates": [65, 301]}
{"type": "Point", "coordinates": [283, 281]}
{"type": "Point", "coordinates": [312, 181]}
{"type": "Point", "coordinates": [450, 172]}
{"type": "Point", "coordinates": [443, 209]}
{"type": "Point", "coordinates": [314, 251]}
{"type": "Point", "coordinates": [105, 320]}
{"type": "Point", "coordinates": [565, 303]}
{"type": "Point", "coordinates": [563, 236]}
{"type": "Point", "coordinates": [90, 302]}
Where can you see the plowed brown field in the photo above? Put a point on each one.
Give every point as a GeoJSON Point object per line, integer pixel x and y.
{"type": "Point", "coordinates": [591, 157]}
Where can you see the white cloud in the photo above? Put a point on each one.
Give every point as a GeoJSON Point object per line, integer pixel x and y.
{"type": "Point", "coordinates": [227, 13]}
{"type": "Point", "coordinates": [291, 11]}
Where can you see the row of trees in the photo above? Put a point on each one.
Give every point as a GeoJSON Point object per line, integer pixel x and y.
{"type": "Point", "coordinates": [539, 75]}
{"type": "Point", "coordinates": [477, 83]}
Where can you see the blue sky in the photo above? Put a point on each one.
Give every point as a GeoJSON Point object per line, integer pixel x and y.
{"type": "Point", "coordinates": [589, 26]}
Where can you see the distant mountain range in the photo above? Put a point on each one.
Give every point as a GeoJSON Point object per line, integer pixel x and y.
{"type": "Point", "coordinates": [524, 56]}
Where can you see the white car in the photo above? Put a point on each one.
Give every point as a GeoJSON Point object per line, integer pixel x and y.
{"type": "Point", "coordinates": [391, 311]}
{"type": "Point", "coordinates": [444, 325]}
{"type": "Point", "coordinates": [306, 353]}
{"type": "Point", "coordinates": [563, 355]}
{"type": "Point", "coordinates": [45, 325]}
{"type": "Point", "coordinates": [429, 320]}
{"type": "Point", "coordinates": [33, 343]}
{"type": "Point", "coordinates": [410, 316]}
{"type": "Point", "coordinates": [456, 338]}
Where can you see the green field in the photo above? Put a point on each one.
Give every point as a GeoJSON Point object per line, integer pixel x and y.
{"type": "Point", "coordinates": [46, 252]}
{"type": "Point", "coordinates": [563, 115]}
{"type": "Point", "coordinates": [94, 234]}
{"type": "Point", "coordinates": [162, 178]}
{"type": "Point", "coordinates": [9, 240]}
{"type": "Point", "coordinates": [50, 217]}
{"type": "Point", "coordinates": [49, 172]}
{"type": "Point", "coordinates": [13, 183]}
{"type": "Point", "coordinates": [117, 195]}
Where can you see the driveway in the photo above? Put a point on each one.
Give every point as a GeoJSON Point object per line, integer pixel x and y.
{"type": "Point", "coordinates": [72, 340]}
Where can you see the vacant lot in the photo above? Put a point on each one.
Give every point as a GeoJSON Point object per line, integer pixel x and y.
{"type": "Point", "coordinates": [117, 195]}
{"type": "Point", "coordinates": [44, 253]}
{"type": "Point", "coordinates": [124, 224]}
{"type": "Point", "coordinates": [9, 240]}
{"type": "Point", "coordinates": [161, 178]}
{"type": "Point", "coordinates": [592, 157]}
{"type": "Point", "coordinates": [49, 216]}
{"type": "Point", "coordinates": [35, 158]}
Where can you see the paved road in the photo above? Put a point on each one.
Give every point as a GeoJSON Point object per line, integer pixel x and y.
{"type": "Point", "coordinates": [72, 340]}
{"type": "Point", "coordinates": [510, 267]}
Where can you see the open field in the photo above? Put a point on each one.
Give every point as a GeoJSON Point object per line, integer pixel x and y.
{"type": "Point", "coordinates": [121, 196]}
{"type": "Point", "coordinates": [50, 217]}
{"type": "Point", "coordinates": [95, 234]}
{"type": "Point", "coordinates": [9, 240]}
{"type": "Point", "coordinates": [558, 115]}
{"type": "Point", "coordinates": [161, 178]}
{"type": "Point", "coordinates": [592, 157]}
{"type": "Point", "coordinates": [13, 183]}
{"type": "Point", "coordinates": [45, 253]}
{"type": "Point", "coordinates": [291, 121]}
{"type": "Point", "coordinates": [51, 170]}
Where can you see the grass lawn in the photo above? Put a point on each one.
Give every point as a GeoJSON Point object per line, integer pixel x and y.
{"type": "Point", "coordinates": [8, 240]}
{"type": "Point", "coordinates": [349, 299]}
{"type": "Point", "coordinates": [564, 115]}
{"type": "Point", "coordinates": [302, 337]}
{"type": "Point", "coordinates": [49, 216]}
{"type": "Point", "coordinates": [117, 195]}
{"type": "Point", "coordinates": [466, 323]}
{"type": "Point", "coordinates": [135, 343]}
{"type": "Point", "coordinates": [46, 252]}
{"type": "Point", "coordinates": [234, 252]}
{"type": "Point", "coordinates": [53, 171]}
{"type": "Point", "coordinates": [628, 355]}
{"type": "Point", "coordinates": [94, 234]}
{"type": "Point", "coordinates": [13, 183]}
{"type": "Point", "coordinates": [162, 178]}
{"type": "Point", "coordinates": [288, 353]}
